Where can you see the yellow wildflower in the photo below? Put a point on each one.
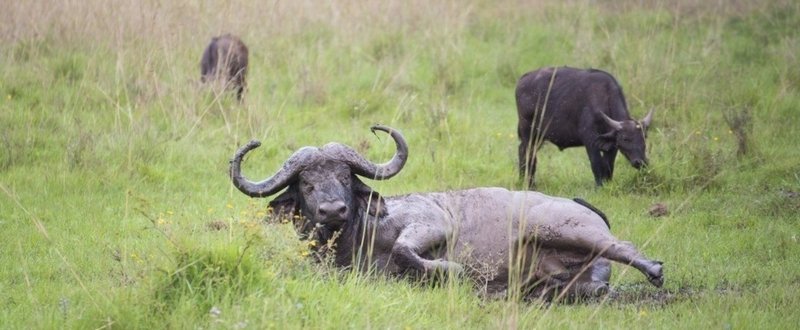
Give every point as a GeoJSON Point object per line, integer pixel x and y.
{"type": "Point", "coordinates": [135, 257]}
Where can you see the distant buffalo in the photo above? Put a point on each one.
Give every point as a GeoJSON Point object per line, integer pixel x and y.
{"type": "Point", "coordinates": [225, 59]}
{"type": "Point", "coordinates": [573, 107]}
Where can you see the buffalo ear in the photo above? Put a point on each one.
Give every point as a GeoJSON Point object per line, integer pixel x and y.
{"type": "Point", "coordinates": [368, 199]}
{"type": "Point", "coordinates": [606, 141]}
{"type": "Point", "coordinates": [285, 206]}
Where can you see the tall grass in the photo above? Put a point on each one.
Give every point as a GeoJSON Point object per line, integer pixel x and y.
{"type": "Point", "coordinates": [116, 209]}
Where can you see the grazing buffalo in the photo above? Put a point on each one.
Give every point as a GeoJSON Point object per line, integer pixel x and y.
{"type": "Point", "coordinates": [225, 59]}
{"type": "Point", "coordinates": [573, 107]}
{"type": "Point", "coordinates": [498, 237]}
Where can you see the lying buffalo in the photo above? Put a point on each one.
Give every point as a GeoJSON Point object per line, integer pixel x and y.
{"type": "Point", "coordinates": [495, 236]}
{"type": "Point", "coordinates": [573, 107]}
{"type": "Point", "coordinates": [225, 60]}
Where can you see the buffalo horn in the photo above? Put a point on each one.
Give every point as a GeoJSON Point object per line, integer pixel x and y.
{"type": "Point", "coordinates": [276, 182]}
{"type": "Point", "coordinates": [365, 168]}
{"type": "Point", "coordinates": [646, 120]}
{"type": "Point", "coordinates": [615, 125]}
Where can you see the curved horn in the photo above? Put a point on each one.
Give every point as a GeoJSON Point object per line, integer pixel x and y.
{"type": "Point", "coordinates": [611, 122]}
{"type": "Point", "coordinates": [646, 120]}
{"type": "Point", "coordinates": [276, 182]}
{"type": "Point", "coordinates": [363, 167]}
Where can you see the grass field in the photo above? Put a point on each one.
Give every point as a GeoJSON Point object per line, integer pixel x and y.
{"type": "Point", "coordinates": [116, 210]}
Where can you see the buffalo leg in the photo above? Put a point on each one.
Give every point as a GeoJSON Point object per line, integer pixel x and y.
{"type": "Point", "coordinates": [527, 154]}
{"type": "Point", "coordinates": [417, 239]}
{"type": "Point", "coordinates": [592, 238]}
{"type": "Point", "coordinates": [598, 165]}
{"type": "Point", "coordinates": [600, 270]}
{"type": "Point", "coordinates": [624, 252]}
{"type": "Point", "coordinates": [592, 282]}
{"type": "Point", "coordinates": [607, 246]}
{"type": "Point", "coordinates": [241, 83]}
{"type": "Point", "coordinates": [608, 161]}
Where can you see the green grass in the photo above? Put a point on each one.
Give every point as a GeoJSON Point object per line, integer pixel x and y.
{"type": "Point", "coordinates": [116, 209]}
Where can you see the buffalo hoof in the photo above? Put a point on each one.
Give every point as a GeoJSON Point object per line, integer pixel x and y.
{"type": "Point", "coordinates": [655, 274]}
{"type": "Point", "coordinates": [600, 290]}
{"type": "Point", "coordinates": [440, 266]}
{"type": "Point", "coordinates": [593, 289]}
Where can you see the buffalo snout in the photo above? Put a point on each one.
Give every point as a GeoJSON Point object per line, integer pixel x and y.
{"type": "Point", "coordinates": [335, 211]}
{"type": "Point", "coordinates": [639, 163]}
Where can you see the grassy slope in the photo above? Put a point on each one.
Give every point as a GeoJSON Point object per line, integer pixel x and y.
{"type": "Point", "coordinates": [113, 161]}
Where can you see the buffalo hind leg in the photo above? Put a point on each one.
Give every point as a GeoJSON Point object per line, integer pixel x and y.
{"type": "Point", "coordinates": [624, 252]}
{"type": "Point", "coordinates": [418, 239]}
{"type": "Point", "coordinates": [610, 248]}
{"type": "Point", "coordinates": [588, 281]}
{"type": "Point", "coordinates": [592, 282]}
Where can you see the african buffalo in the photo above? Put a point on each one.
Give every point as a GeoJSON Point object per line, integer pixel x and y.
{"type": "Point", "coordinates": [498, 237]}
{"type": "Point", "coordinates": [225, 59]}
{"type": "Point", "coordinates": [572, 107]}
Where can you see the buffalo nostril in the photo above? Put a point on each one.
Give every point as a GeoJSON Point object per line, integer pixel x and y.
{"type": "Point", "coordinates": [341, 209]}
{"type": "Point", "coordinates": [337, 208]}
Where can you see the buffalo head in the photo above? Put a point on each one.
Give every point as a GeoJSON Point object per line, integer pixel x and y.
{"type": "Point", "coordinates": [628, 136]}
{"type": "Point", "coordinates": [322, 183]}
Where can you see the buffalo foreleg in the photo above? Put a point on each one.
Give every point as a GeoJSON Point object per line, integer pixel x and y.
{"type": "Point", "coordinates": [418, 239]}
{"type": "Point", "coordinates": [599, 167]}
{"type": "Point", "coordinates": [608, 162]}
{"type": "Point", "coordinates": [528, 147]}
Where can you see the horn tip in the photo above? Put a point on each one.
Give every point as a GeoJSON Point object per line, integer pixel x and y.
{"type": "Point", "coordinates": [253, 144]}
{"type": "Point", "coordinates": [379, 127]}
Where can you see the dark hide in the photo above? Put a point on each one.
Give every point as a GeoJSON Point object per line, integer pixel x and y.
{"type": "Point", "coordinates": [572, 107]}
{"type": "Point", "coordinates": [225, 59]}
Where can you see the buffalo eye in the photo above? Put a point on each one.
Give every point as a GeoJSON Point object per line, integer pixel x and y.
{"type": "Point", "coordinates": [307, 187]}
{"type": "Point", "coordinates": [344, 179]}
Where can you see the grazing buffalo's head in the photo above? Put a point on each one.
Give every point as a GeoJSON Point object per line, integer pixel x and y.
{"type": "Point", "coordinates": [322, 183]}
{"type": "Point", "coordinates": [629, 137]}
